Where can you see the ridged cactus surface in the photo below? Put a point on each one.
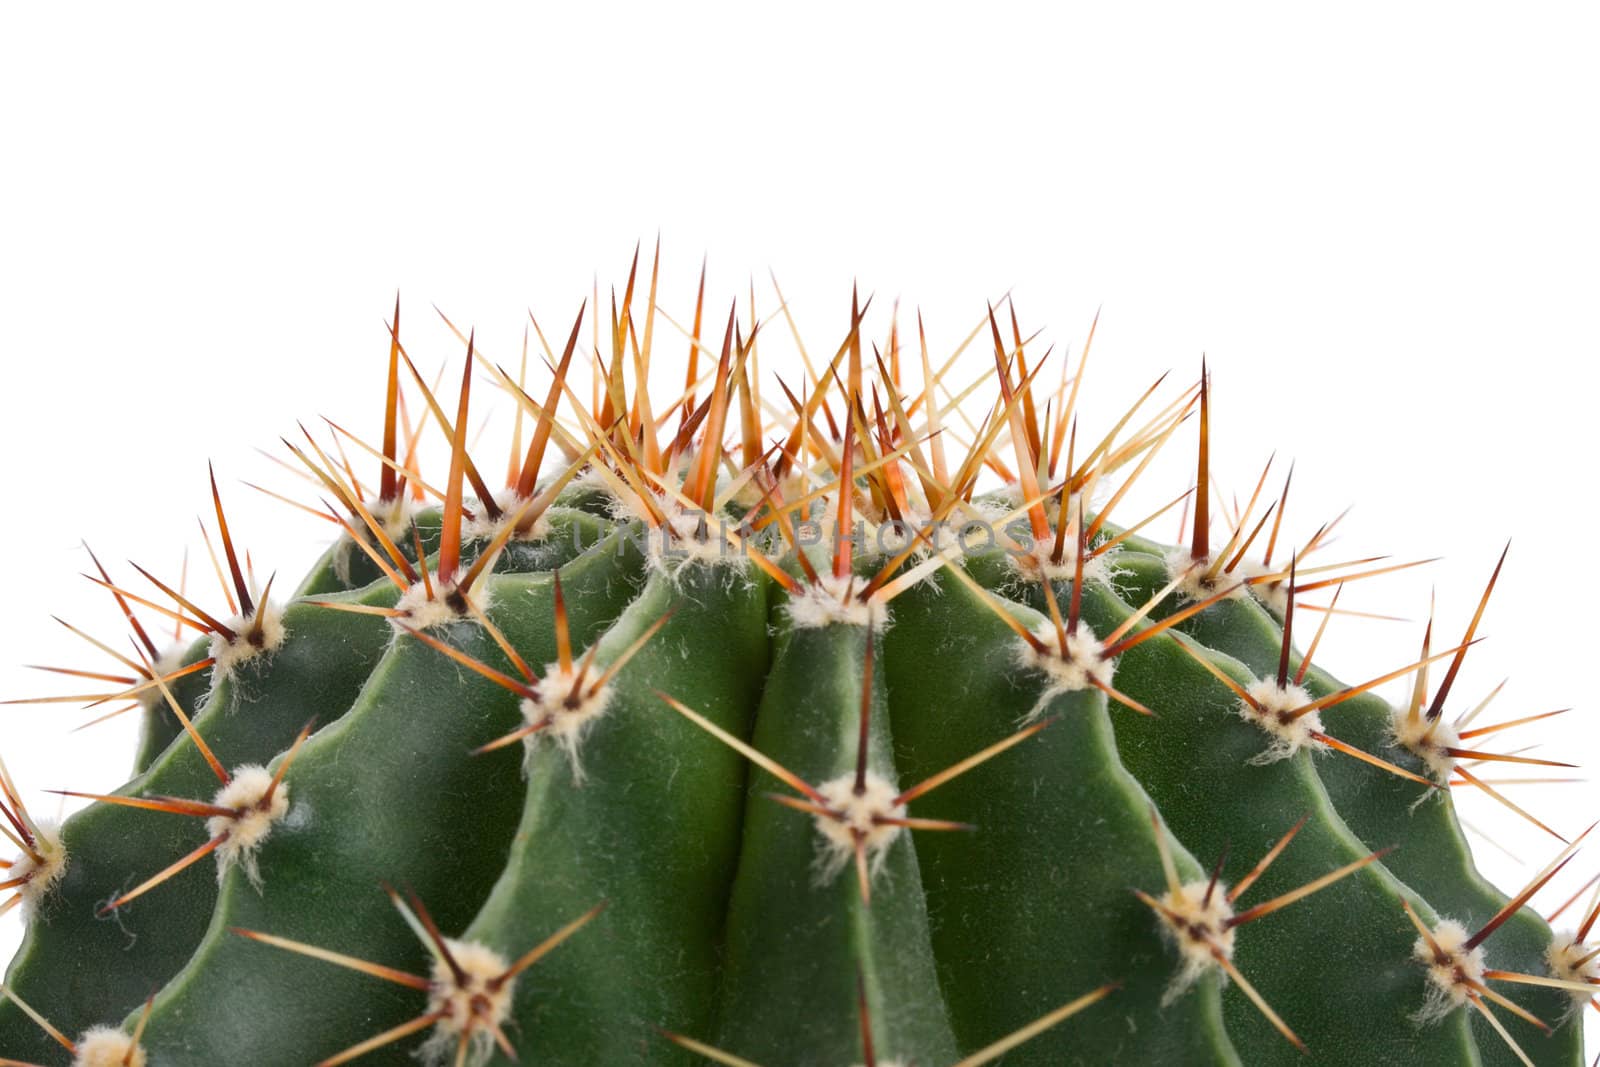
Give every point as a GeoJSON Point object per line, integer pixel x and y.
{"type": "Point", "coordinates": [832, 719]}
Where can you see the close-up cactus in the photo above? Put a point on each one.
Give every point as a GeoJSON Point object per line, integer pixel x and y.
{"type": "Point", "coordinates": [846, 715]}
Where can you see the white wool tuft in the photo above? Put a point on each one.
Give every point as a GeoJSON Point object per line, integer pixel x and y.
{"type": "Point", "coordinates": [252, 822]}
{"type": "Point", "coordinates": [857, 817]}
{"type": "Point", "coordinates": [835, 600]}
{"type": "Point", "coordinates": [1036, 565]}
{"type": "Point", "coordinates": [167, 663]}
{"type": "Point", "coordinates": [423, 612]}
{"type": "Point", "coordinates": [567, 721]}
{"type": "Point", "coordinates": [36, 877]}
{"type": "Point", "coordinates": [481, 528]}
{"type": "Point", "coordinates": [1198, 928]}
{"type": "Point", "coordinates": [473, 1006]}
{"type": "Point", "coordinates": [1454, 971]}
{"type": "Point", "coordinates": [1194, 584]}
{"type": "Point", "coordinates": [1289, 735]}
{"type": "Point", "coordinates": [678, 543]}
{"type": "Point", "coordinates": [230, 654]}
{"type": "Point", "coordinates": [1274, 596]}
{"type": "Point", "coordinates": [105, 1047]}
{"type": "Point", "coordinates": [394, 517]}
{"type": "Point", "coordinates": [1571, 960]}
{"type": "Point", "coordinates": [1084, 664]}
{"type": "Point", "coordinates": [1427, 739]}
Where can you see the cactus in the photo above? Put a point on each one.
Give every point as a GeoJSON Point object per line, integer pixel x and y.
{"type": "Point", "coordinates": [807, 749]}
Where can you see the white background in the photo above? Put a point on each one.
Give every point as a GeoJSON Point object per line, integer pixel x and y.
{"type": "Point", "coordinates": [1379, 223]}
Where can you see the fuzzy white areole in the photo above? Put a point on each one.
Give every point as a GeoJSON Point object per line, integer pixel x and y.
{"type": "Point", "coordinates": [480, 527]}
{"type": "Point", "coordinates": [1271, 709]}
{"type": "Point", "coordinates": [566, 709]}
{"type": "Point", "coordinates": [1427, 738]}
{"type": "Point", "coordinates": [1011, 495]}
{"type": "Point", "coordinates": [856, 821]}
{"type": "Point", "coordinates": [447, 604]}
{"type": "Point", "coordinates": [1194, 582]}
{"type": "Point", "coordinates": [470, 988]}
{"type": "Point", "coordinates": [1195, 919]}
{"type": "Point", "coordinates": [834, 600]}
{"type": "Point", "coordinates": [1455, 972]}
{"type": "Point", "coordinates": [690, 537]}
{"type": "Point", "coordinates": [627, 505]}
{"type": "Point", "coordinates": [938, 537]}
{"type": "Point", "coordinates": [257, 635]}
{"type": "Point", "coordinates": [589, 479]}
{"type": "Point", "coordinates": [1571, 960]}
{"type": "Point", "coordinates": [473, 999]}
{"type": "Point", "coordinates": [36, 875]}
{"type": "Point", "coordinates": [1034, 561]}
{"type": "Point", "coordinates": [1083, 666]}
{"type": "Point", "coordinates": [106, 1047]}
{"type": "Point", "coordinates": [394, 517]}
{"type": "Point", "coordinates": [100, 1046]}
{"type": "Point", "coordinates": [1272, 595]}
{"type": "Point", "coordinates": [255, 813]}
{"type": "Point", "coordinates": [166, 665]}
{"type": "Point", "coordinates": [969, 527]}
{"type": "Point", "coordinates": [1036, 564]}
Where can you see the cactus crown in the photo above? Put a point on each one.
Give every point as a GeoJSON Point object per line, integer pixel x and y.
{"type": "Point", "coordinates": [634, 715]}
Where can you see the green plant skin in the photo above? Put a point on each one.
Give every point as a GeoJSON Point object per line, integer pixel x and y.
{"type": "Point", "coordinates": [83, 969]}
{"type": "Point", "coordinates": [344, 566]}
{"type": "Point", "coordinates": [571, 531]}
{"type": "Point", "coordinates": [1198, 739]}
{"type": "Point", "coordinates": [652, 831]}
{"type": "Point", "coordinates": [795, 945]}
{"type": "Point", "coordinates": [1436, 859]}
{"type": "Point", "coordinates": [391, 786]}
{"type": "Point", "coordinates": [589, 497]}
{"type": "Point", "coordinates": [1019, 925]}
{"type": "Point", "coordinates": [1355, 926]}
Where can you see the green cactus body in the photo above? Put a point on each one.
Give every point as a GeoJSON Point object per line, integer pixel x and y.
{"type": "Point", "coordinates": [656, 807]}
{"type": "Point", "coordinates": [1011, 916]}
{"type": "Point", "coordinates": [1433, 858]}
{"type": "Point", "coordinates": [399, 761]}
{"type": "Point", "coordinates": [645, 788]}
{"type": "Point", "coordinates": [798, 928]}
{"type": "Point", "coordinates": [85, 967]}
